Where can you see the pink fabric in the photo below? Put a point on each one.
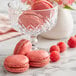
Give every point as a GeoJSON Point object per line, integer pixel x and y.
{"type": "Point", "coordinates": [6, 32]}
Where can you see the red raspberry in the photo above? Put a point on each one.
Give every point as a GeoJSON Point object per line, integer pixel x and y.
{"type": "Point", "coordinates": [54, 56]}
{"type": "Point", "coordinates": [72, 42]}
{"type": "Point", "coordinates": [62, 46]}
{"type": "Point", "coordinates": [54, 48]}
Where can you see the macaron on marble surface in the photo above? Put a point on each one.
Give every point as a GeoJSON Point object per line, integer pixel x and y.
{"type": "Point", "coordinates": [23, 47]}
{"type": "Point", "coordinates": [30, 20]}
{"type": "Point", "coordinates": [16, 63]}
{"type": "Point", "coordinates": [38, 58]}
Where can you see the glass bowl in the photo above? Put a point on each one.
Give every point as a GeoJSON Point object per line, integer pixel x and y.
{"type": "Point", "coordinates": [32, 22]}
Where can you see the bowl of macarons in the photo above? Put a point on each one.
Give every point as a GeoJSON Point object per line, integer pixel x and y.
{"type": "Point", "coordinates": [33, 16]}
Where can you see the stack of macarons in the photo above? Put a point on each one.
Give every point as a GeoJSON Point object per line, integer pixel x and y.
{"type": "Point", "coordinates": [35, 18]}
{"type": "Point", "coordinates": [24, 57]}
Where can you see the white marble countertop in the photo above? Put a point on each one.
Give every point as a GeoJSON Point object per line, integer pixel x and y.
{"type": "Point", "coordinates": [65, 67]}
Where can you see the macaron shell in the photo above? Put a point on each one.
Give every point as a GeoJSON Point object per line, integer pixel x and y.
{"type": "Point", "coordinates": [30, 20]}
{"type": "Point", "coordinates": [37, 55]}
{"type": "Point", "coordinates": [16, 61]}
{"type": "Point", "coordinates": [23, 47]}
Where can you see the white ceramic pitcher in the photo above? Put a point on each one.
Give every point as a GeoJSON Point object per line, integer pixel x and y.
{"type": "Point", "coordinates": [64, 26]}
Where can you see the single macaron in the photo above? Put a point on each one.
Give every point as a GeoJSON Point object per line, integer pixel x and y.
{"type": "Point", "coordinates": [30, 20]}
{"type": "Point", "coordinates": [41, 4]}
{"type": "Point", "coordinates": [16, 63]}
{"type": "Point", "coordinates": [38, 58]}
{"type": "Point", "coordinates": [44, 6]}
{"type": "Point", "coordinates": [23, 47]}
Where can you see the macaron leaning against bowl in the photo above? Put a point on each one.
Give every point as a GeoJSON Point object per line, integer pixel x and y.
{"type": "Point", "coordinates": [38, 58]}
{"type": "Point", "coordinates": [30, 20]}
{"type": "Point", "coordinates": [44, 6]}
{"type": "Point", "coordinates": [16, 63]}
{"type": "Point", "coordinates": [23, 47]}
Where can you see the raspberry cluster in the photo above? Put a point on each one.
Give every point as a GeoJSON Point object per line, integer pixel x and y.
{"type": "Point", "coordinates": [55, 50]}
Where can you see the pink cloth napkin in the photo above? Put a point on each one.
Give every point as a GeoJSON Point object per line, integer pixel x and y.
{"type": "Point", "coordinates": [6, 32]}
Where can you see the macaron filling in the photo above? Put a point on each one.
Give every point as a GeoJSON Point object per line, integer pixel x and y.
{"type": "Point", "coordinates": [41, 60]}
{"type": "Point", "coordinates": [16, 67]}
{"type": "Point", "coordinates": [39, 64]}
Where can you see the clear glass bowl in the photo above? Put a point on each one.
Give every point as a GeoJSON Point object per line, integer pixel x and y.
{"type": "Point", "coordinates": [32, 22]}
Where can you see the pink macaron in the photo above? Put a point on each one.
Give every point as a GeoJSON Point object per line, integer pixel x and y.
{"type": "Point", "coordinates": [30, 20]}
{"type": "Point", "coordinates": [44, 6]}
{"type": "Point", "coordinates": [23, 47]}
{"type": "Point", "coordinates": [41, 4]}
{"type": "Point", "coordinates": [38, 58]}
{"type": "Point", "coordinates": [16, 63]}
